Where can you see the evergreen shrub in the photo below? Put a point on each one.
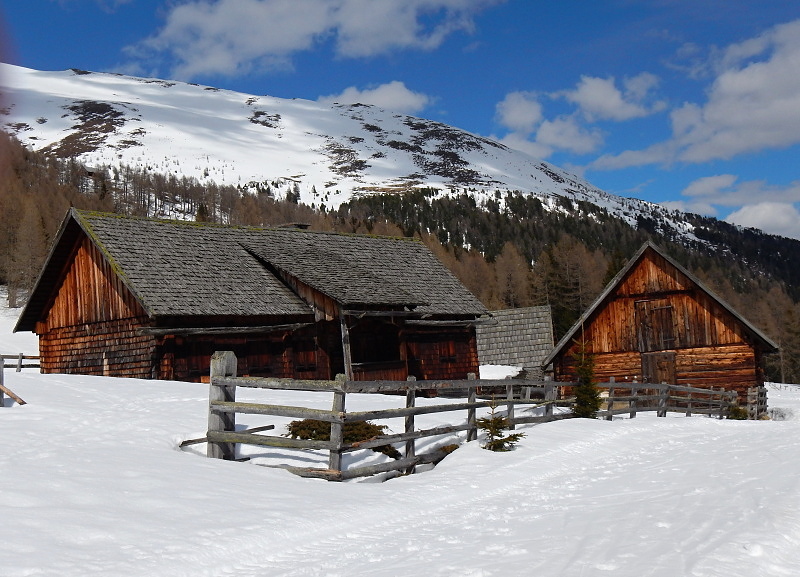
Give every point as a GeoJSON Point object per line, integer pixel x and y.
{"type": "Point", "coordinates": [315, 430]}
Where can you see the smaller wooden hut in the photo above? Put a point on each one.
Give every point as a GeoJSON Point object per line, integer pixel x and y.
{"type": "Point", "coordinates": [520, 337]}
{"type": "Point", "coordinates": [657, 323]}
{"type": "Point", "coordinates": [147, 298]}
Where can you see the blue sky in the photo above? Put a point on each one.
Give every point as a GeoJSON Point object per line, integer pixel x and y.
{"type": "Point", "coordinates": [694, 104]}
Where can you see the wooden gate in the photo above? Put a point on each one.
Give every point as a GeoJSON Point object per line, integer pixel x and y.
{"type": "Point", "coordinates": [659, 368]}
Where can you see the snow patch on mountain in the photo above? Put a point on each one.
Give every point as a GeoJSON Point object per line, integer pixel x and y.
{"type": "Point", "coordinates": [328, 154]}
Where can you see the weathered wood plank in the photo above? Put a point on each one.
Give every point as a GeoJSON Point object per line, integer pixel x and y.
{"type": "Point", "coordinates": [183, 331]}
{"type": "Point", "coordinates": [398, 465]}
{"type": "Point", "coordinates": [188, 442]}
{"type": "Point", "coordinates": [335, 457]}
{"type": "Point", "coordinates": [277, 411]}
{"type": "Point", "coordinates": [223, 363]}
{"type": "Point", "coordinates": [401, 437]}
{"type": "Point", "coordinates": [411, 398]}
{"type": "Point", "coordinates": [281, 384]}
{"type": "Point", "coordinates": [224, 437]}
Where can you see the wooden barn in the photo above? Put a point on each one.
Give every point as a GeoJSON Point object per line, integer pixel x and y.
{"type": "Point", "coordinates": [656, 323]}
{"type": "Point", "coordinates": [146, 298]}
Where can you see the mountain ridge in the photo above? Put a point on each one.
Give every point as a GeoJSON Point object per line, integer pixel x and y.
{"type": "Point", "coordinates": [325, 154]}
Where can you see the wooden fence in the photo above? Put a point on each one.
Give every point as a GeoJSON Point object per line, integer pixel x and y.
{"type": "Point", "coordinates": [5, 390]}
{"type": "Point", "coordinates": [633, 398]}
{"type": "Point", "coordinates": [622, 398]}
{"type": "Point", "coordinates": [20, 358]}
{"type": "Point", "coordinates": [756, 402]}
{"type": "Point", "coordinates": [223, 408]}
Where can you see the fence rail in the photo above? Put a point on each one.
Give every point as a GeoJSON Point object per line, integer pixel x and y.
{"type": "Point", "coordinates": [622, 398]}
{"type": "Point", "coordinates": [5, 390]}
{"type": "Point", "coordinates": [664, 398]}
{"type": "Point", "coordinates": [20, 358]}
{"type": "Point", "coordinates": [223, 407]}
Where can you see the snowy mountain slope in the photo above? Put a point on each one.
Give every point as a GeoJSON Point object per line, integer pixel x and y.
{"type": "Point", "coordinates": [241, 139]}
{"type": "Point", "coordinates": [92, 482]}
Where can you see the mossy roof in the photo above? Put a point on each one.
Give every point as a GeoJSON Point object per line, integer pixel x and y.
{"type": "Point", "coordinates": [187, 269]}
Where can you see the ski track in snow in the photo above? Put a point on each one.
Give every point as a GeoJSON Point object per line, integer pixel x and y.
{"type": "Point", "coordinates": [92, 482]}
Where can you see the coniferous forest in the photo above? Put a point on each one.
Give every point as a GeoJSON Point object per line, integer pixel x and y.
{"type": "Point", "coordinates": [510, 251]}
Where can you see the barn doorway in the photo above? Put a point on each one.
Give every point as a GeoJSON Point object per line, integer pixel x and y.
{"type": "Point", "coordinates": [658, 368]}
{"type": "Point", "coordinates": [655, 325]}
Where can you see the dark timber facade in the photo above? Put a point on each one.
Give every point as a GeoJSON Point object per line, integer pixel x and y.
{"type": "Point", "coordinates": [147, 298]}
{"type": "Point", "coordinates": [657, 323]}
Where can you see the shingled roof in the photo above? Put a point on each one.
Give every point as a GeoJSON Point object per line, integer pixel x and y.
{"type": "Point", "coordinates": [520, 337]}
{"type": "Point", "coordinates": [187, 269]}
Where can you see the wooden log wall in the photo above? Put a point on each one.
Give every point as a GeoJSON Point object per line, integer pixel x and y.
{"type": "Point", "coordinates": [732, 367]}
{"type": "Point", "coordinates": [91, 326]}
{"type": "Point", "coordinates": [697, 320]}
{"type": "Point", "coordinates": [299, 355]}
{"type": "Point", "coordinates": [90, 293]}
{"type": "Point", "coordinates": [110, 348]}
{"type": "Point", "coordinates": [441, 353]}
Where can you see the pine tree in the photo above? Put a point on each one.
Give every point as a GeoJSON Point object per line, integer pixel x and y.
{"type": "Point", "coordinates": [495, 425]}
{"type": "Point", "coordinates": [587, 397]}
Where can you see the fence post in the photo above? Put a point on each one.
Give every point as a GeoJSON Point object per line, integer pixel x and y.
{"type": "Point", "coordinates": [2, 370]}
{"type": "Point", "coordinates": [634, 402]}
{"type": "Point", "coordinates": [411, 396]}
{"type": "Point", "coordinates": [723, 405]}
{"type": "Point", "coordinates": [663, 395]}
{"type": "Point", "coordinates": [19, 363]}
{"type": "Point", "coordinates": [472, 432]}
{"type": "Point", "coordinates": [337, 436]}
{"type": "Point", "coordinates": [223, 364]}
{"type": "Point", "coordinates": [611, 381]}
{"type": "Point", "coordinates": [549, 396]}
{"type": "Point", "coordinates": [689, 404]}
{"type": "Point", "coordinates": [510, 409]}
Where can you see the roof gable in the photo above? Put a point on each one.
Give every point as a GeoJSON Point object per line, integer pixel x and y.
{"type": "Point", "coordinates": [677, 274]}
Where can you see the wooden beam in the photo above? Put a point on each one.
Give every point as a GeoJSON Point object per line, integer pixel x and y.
{"type": "Point", "coordinates": [188, 442]}
{"type": "Point", "coordinates": [390, 313]}
{"type": "Point", "coordinates": [223, 364]}
{"type": "Point", "coordinates": [183, 331]}
{"type": "Point", "coordinates": [348, 356]}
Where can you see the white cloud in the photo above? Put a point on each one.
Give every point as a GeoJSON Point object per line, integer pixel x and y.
{"type": "Point", "coordinates": [710, 185]}
{"type": "Point", "coordinates": [694, 207]}
{"type": "Point", "coordinates": [519, 141]}
{"type": "Point", "coordinates": [391, 96]}
{"type": "Point", "coordinates": [562, 133]}
{"type": "Point", "coordinates": [759, 205]}
{"type": "Point", "coordinates": [779, 218]}
{"type": "Point", "coordinates": [230, 37]}
{"type": "Point", "coordinates": [726, 190]}
{"type": "Point", "coordinates": [595, 98]}
{"type": "Point", "coordinates": [600, 99]}
{"type": "Point", "coordinates": [566, 134]}
{"type": "Point", "coordinates": [753, 105]}
{"type": "Point", "coordinates": [520, 112]}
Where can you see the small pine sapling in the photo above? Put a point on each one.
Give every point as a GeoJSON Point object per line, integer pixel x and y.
{"type": "Point", "coordinates": [587, 396]}
{"type": "Point", "coordinates": [495, 425]}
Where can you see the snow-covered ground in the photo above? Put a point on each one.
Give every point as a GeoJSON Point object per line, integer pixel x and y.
{"type": "Point", "coordinates": [92, 482]}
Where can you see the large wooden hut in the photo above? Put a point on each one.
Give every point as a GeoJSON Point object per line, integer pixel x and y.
{"type": "Point", "coordinates": [146, 298]}
{"type": "Point", "coordinates": [657, 323]}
